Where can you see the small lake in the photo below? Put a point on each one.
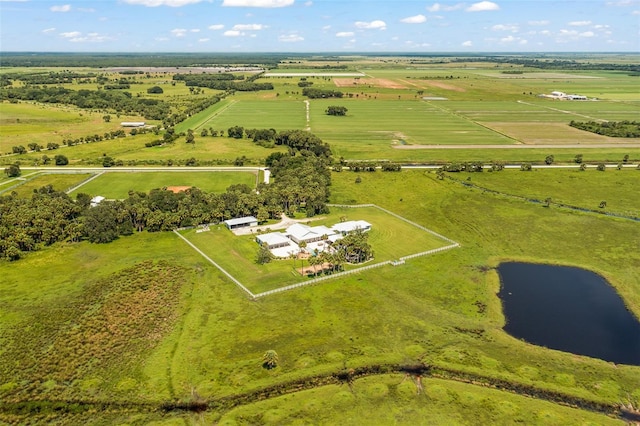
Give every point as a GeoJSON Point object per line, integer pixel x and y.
{"type": "Point", "coordinates": [568, 309]}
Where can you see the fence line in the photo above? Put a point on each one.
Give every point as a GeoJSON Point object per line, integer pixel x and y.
{"type": "Point", "coordinates": [231, 277]}
{"type": "Point", "coordinates": [337, 274]}
{"type": "Point", "coordinates": [323, 278]}
{"type": "Point", "coordinates": [84, 182]}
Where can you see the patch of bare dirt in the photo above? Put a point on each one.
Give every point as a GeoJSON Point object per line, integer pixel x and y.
{"type": "Point", "coordinates": [373, 82]}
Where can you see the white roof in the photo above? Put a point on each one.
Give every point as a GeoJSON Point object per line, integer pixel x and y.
{"type": "Point", "coordinates": [241, 220]}
{"type": "Point", "coordinates": [351, 225]}
{"type": "Point", "coordinates": [273, 238]}
{"type": "Point", "coordinates": [303, 232]}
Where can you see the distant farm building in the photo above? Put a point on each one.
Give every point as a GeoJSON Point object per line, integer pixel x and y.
{"type": "Point", "coordinates": [97, 200]}
{"type": "Point", "coordinates": [564, 96]}
{"type": "Point", "coordinates": [177, 189]}
{"type": "Point", "coordinates": [241, 222]}
{"type": "Point", "coordinates": [133, 124]}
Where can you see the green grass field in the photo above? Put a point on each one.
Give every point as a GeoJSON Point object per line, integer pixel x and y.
{"type": "Point", "coordinates": [145, 320]}
{"type": "Point", "coordinates": [59, 182]}
{"type": "Point", "coordinates": [390, 238]}
{"type": "Point", "coordinates": [114, 185]}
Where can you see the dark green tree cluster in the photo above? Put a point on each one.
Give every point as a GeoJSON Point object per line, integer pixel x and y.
{"type": "Point", "coordinates": [336, 110]}
{"type": "Point", "coordinates": [314, 93]}
{"type": "Point", "coordinates": [615, 129]}
{"type": "Point", "coordinates": [222, 82]}
{"type": "Point", "coordinates": [13, 170]}
{"type": "Point", "coordinates": [474, 166]}
{"type": "Point", "coordinates": [29, 224]}
{"type": "Point", "coordinates": [300, 140]}
{"type": "Point", "coordinates": [354, 247]}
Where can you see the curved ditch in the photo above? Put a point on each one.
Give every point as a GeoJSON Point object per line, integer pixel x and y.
{"type": "Point", "coordinates": [544, 202]}
{"type": "Point", "coordinates": [23, 408]}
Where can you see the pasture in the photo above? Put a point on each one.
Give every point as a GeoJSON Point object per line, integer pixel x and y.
{"type": "Point", "coordinates": [116, 185]}
{"type": "Point", "coordinates": [441, 310]}
{"type": "Point", "coordinates": [145, 322]}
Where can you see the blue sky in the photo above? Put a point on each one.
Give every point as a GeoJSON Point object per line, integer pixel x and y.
{"type": "Point", "coordinates": [320, 26]}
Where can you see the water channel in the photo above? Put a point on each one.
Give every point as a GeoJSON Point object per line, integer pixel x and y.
{"type": "Point", "coordinates": [568, 309]}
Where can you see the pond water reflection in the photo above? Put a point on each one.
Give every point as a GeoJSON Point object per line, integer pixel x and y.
{"type": "Point", "coordinates": [568, 309]}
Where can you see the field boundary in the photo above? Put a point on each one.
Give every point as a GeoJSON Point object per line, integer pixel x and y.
{"type": "Point", "coordinates": [401, 260]}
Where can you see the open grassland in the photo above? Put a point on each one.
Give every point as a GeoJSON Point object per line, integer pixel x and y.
{"type": "Point", "coordinates": [441, 310]}
{"type": "Point", "coordinates": [585, 189]}
{"type": "Point", "coordinates": [59, 182]}
{"type": "Point", "coordinates": [27, 122]}
{"type": "Point", "coordinates": [390, 238]}
{"type": "Point", "coordinates": [116, 185]}
{"type": "Point", "coordinates": [260, 114]}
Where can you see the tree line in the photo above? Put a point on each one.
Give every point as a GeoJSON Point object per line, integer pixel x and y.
{"type": "Point", "coordinates": [616, 129]}
{"type": "Point", "coordinates": [301, 181]}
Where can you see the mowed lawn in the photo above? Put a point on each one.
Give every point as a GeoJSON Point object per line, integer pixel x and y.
{"type": "Point", "coordinates": [390, 238]}
{"type": "Point", "coordinates": [116, 185]}
{"type": "Point", "coordinates": [59, 182]}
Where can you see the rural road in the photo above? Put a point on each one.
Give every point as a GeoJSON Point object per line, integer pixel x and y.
{"type": "Point", "coordinates": [522, 146]}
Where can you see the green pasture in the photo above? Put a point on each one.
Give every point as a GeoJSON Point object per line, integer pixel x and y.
{"type": "Point", "coordinates": [390, 238]}
{"type": "Point", "coordinates": [586, 189]}
{"type": "Point", "coordinates": [116, 185]}
{"type": "Point", "coordinates": [33, 182]}
{"type": "Point", "coordinates": [440, 309]}
{"type": "Point", "coordinates": [26, 122]}
{"type": "Point", "coordinates": [260, 114]}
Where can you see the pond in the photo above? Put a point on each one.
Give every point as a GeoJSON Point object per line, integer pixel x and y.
{"type": "Point", "coordinates": [568, 309]}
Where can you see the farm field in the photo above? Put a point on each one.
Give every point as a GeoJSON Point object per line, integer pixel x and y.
{"type": "Point", "coordinates": [145, 330]}
{"type": "Point", "coordinates": [390, 238]}
{"type": "Point", "coordinates": [116, 185]}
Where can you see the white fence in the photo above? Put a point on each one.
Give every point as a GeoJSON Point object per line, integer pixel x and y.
{"type": "Point", "coordinates": [337, 274]}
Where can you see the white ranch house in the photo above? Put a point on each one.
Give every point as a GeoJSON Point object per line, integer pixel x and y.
{"type": "Point", "coordinates": [316, 238]}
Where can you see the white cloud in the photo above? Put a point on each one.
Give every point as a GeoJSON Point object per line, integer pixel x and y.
{"type": "Point", "coordinates": [257, 3]}
{"type": "Point", "coordinates": [203, 40]}
{"type": "Point", "coordinates": [373, 25]}
{"type": "Point", "coordinates": [156, 3]}
{"type": "Point", "coordinates": [63, 8]}
{"type": "Point", "coordinates": [308, 3]}
{"type": "Point", "coordinates": [483, 6]}
{"type": "Point", "coordinates": [579, 23]}
{"type": "Point", "coordinates": [48, 30]}
{"type": "Point", "coordinates": [194, 30]}
{"type": "Point", "coordinates": [505, 27]}
{"type": "Point", "coordinates": [467, 43]}
{"type": "Point", "coordinates": [538, 23]}
{"type": "Point", "coordinates": [326, 28]}
{"type": "Point", "coordinates": [232, 33]}
{"type": "Point", "coordinates": [216, 27]}
{"type": "Point", "coordinates": [418, 19]}
{"type": "Point", "coordinates": [587, 34]}
{"type": "Point", "coordinates": [179, 32]}
{"type": "Point", "coordinates": [345, 34]}
{"type": "Point", "coordinates": [290, 38]}
{"type": "Point", "coordinates": [71, 34]}
{"type": "Point", "coordinates": [437, 7]}
{"type": "Point", "coordinates": [248, 27]}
